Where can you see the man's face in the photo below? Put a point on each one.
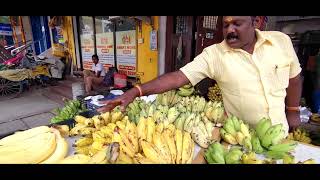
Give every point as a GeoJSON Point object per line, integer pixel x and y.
{"type": "Point", "coordinates": [238, 31]}
{"type": "Point", "coordinates": [94, 60]}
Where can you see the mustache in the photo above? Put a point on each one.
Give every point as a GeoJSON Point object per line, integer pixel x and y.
{"type": "Point", "coordinates": [232, 35]}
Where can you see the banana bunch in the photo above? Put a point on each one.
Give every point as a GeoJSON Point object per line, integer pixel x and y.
{"type": "Point", "coordinates": [235, 131]}
{"type": "Point", "coordinates": [164, 145]}
{"type": "Point", "coordinates": [272, 139]}
{"type": "Point", "coordinates": [186, 90]}
{"type": "Point", "coordinates": [214, 93]}
{"type": "Point", "coordinates": [86, 126]}
{"type": "Point", "coordinates": [169, 98]}
{"type": "Point", "coordinates": [250, 158]}
{"type": "Point", "coordinates": [37, 145]}
{"type": "Point", "coordinates": [214, 111]}
{"type": "Point", "coordinates": [300, 135]}
{"type": "Point", "coordinates": [315, 117]}
{"type": "Point", "coordinates": [217, 154]}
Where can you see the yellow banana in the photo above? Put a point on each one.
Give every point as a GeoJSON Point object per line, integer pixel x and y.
{"type": "Point", "coordinates": [139, 159]}
{"type": "Point", "coordinates": [151, 152]}
{"type": "Point", "coordinates": [84, 141]}
{"type": "Point", "coordinates": [100, 157]}
{"type": "Point", "coordinates": [150, 129]}
{"type": "Point", "coordinates": [106, 117]}
{"type": "Point", "coordinates": [169, 139]}
{"type": "Point", "coordinates": [142, 128]}
{"type": "Point", "coordinates": [123, 158]}
{"type": "Point", "coordinates": [159, 142]}
{"type": "Point", "coordinates": [186, 147]}
{"type": "Point", "coordinates": [60, 151]}
{"type": "Point", "coordinates": [20, 136]}
{"type": "Point", "coordinates": [178, 138]}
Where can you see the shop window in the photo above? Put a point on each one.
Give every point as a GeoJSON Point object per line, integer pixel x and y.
{"type": "Point", "coordinates": [181, 24]}
{"type": "Point", "coordinates": [210, 22]}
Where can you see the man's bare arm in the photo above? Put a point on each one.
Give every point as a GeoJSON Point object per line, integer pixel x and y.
{"type": "Point", "coordinates": [165, 83]}
{"type": "Point", "coordinates": [294, 91]}
{"type": "Point", "coordinates": [162, 84]}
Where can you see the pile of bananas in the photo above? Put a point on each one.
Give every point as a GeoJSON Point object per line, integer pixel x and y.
{"type": "Point", "coordinates": [186, 90]}
{"type": "Point", "coordinates": [214, 93]}
{"type": "Point", "coordinates": [300, 135]}
{"type": "Point", "coordinates": [37, 145]}
{"type": "Point", "coordinates": [192, 114]}
{"type": "Point", "coordinates": [217, 154]}
{"type": "Point", "coordinates": [113, 138]}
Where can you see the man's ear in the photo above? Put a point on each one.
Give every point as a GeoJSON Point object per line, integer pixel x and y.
{"type": "Point", "coordinates": [257, 21]}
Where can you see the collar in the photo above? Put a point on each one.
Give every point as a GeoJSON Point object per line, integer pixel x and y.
{"type": "Point", "coordinates": [261, 38]}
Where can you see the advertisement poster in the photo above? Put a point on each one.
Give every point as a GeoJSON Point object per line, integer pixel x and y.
{"type": "Point", "coordinates": [105, 49]}
{"type": "Point", "coordinates": [126, 52]}
{"type": "Point", "coordinates": [87, 49]}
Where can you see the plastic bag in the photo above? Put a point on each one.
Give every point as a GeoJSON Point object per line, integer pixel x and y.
{"type": "Point", "coordinates": [305, 114]}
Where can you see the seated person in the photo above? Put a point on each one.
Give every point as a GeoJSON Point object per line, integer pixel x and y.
{"type": "Point", "coordinates": [94, 78]}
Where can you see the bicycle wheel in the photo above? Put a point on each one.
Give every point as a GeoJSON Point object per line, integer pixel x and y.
{"type": "Point", "coordinates": [10, 87]}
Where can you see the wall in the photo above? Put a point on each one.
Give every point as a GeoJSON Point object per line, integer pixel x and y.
{"type": "Point", "coordinates": [162, 44]}
{"type": "Point", "coordinates": [147, 62]}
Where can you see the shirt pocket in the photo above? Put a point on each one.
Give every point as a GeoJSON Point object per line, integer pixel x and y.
{"type": "Point", "coordinates": [280, 80]}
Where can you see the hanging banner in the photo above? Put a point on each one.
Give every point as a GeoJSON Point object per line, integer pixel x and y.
{"type": "Point", "coordinates": [5, 29]}
{"type": "Point", "coordinates": [126, 52]}
{"type": "Point", "coordinates": [105, 49]}
{"type": "Point", "coordinates": [87, 49]}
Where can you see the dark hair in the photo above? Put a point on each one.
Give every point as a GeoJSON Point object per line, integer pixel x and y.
{"type": "Point", "coordinates": [96, 56]}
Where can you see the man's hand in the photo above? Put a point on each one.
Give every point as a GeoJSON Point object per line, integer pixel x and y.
{"type": "Point", "coordinates": [122, 100]}
{"type": "Point", "coordinates": [293, 118]}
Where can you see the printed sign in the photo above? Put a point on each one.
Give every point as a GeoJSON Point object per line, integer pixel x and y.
{"type": "Point", "coordinates": [105, 49]}
{"type": "Point", "coordinates": [126, 52]}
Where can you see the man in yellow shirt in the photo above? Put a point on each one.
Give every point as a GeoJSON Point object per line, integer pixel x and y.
{"type": "Point", "coordinates": [258, 73]}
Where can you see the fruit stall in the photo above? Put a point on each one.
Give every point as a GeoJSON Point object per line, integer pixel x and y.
{"type": "Point", "coordinates": [175, 127]}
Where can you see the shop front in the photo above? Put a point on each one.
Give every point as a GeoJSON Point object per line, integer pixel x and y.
{"type": "Point", "coordinates": [113, 40]}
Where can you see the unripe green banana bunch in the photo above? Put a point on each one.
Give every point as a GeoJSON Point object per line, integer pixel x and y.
{"type": "Point", "coordinates": [272, 139]}
{"type": "Point", "coordinates": [235, 131]}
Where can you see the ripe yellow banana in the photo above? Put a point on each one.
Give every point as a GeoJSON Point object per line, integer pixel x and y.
{"type": "Point", "coordinates": [123, 158]}
{"type": "Point", "coordinates": [106, 117]}
{"type": "Point", "coordinates": [178, 138]}
{"type": "Point", "coordinates": [159, 142]}
{"type": "Point", "coordinates": [142, 128]}
{"type": "Point", "coordinates": [150, 129]}
{"type": "Point", "coordinates": [169, 139]}
{"type": "Point", "coordinates": [83, 150]}
{"type": "Point", "coordinates": [84, 141]}
{"type": "Point", "coordinates": [100, 157]}
{"type": "Point", "coordinates": [20, 136]}
{"type": "Point", "coordinates": [125, 143]}
{"type": "Point", "coordinates": [151, 152]}
{"type": "Point", "coordinates": [186, 147]}
{"type": "Point", "coordinates": [139, 159]}
{"type": "Point", "coordinates": [60, 151]}
{"type": "Point", "coordinates": [63, 129]}
{"type": "Point", "coordinates": [31, 151]}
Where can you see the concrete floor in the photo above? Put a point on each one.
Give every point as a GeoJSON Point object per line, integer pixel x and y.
{"type": "Point", "coordinates": [29, 110]}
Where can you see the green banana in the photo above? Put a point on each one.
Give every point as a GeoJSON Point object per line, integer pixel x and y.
{"type": "Point", "coordinates": [185, 92]}
{"type": "Point", "coordinates": [173, 114]}
{"type": "Point", "coordinates": [271, 133]}
{"type": "Point", "coordinates": [236, 123]}
{"type": "Point", "coordinates": [247, 144]}
{"type": "Point", "coordinates": [245, 130]}
{"type": "Point", "coordinates": [262, 127]}
{"type": "Point", "coordinates": [280, 137]}
{"type": "Point", "coordinates": [285, 147]}
{"type": "Point", "coordinates": [256, 145]}
{"type": "Point", "coordinates": [228, 126]}
{"type": "Point", "coordinates": [233, 156]}
{"type": "Point", "coordinates": [275, 154]}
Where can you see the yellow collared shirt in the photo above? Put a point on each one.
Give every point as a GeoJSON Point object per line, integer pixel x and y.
{"type": "Point", "coordinates": [254, 85]}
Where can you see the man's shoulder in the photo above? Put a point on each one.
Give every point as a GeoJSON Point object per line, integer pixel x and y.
{"type": "Point", "coordinates": [275, 36]}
